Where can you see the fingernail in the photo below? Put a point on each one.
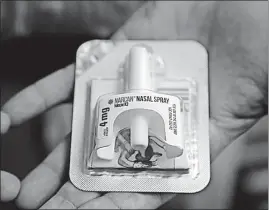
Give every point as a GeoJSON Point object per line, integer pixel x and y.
{"type": "Point", "coordinates": [5, 122]}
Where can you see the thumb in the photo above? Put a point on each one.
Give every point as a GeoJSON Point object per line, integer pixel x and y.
{"type": "Point", "coordinates": [10, 186]}
{"type": "Point", "coordinates": [5, 122]}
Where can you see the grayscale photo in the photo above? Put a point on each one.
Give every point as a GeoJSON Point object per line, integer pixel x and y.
{"type": "Point", "coordinates": [134, 105]}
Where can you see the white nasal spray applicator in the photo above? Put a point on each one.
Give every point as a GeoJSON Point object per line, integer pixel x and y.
{"type": "Point", "coordinates": [139, 80]}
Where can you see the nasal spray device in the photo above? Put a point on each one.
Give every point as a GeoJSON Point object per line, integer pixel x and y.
{"type": "Point", "coordinates": [144, 104]}
{"type": "Point", "coordinates": [139, 80]}
{"type": "Point", "coordinates": [138, 125]}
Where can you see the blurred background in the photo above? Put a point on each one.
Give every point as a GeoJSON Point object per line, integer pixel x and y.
{"type": "Point", "coordinates": [39, 37]}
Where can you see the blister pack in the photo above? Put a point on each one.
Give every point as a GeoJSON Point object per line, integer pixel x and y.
{"type": "Point", "coordinates": [141, 117]}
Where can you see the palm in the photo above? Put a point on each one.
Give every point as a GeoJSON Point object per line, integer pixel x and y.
{"type": "Point", "coordinates": [238, 65]}
{"type": "Point", "coordinates": [235, 36]}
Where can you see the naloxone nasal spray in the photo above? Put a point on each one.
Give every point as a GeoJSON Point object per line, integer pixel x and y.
{"type": "Point", "coordinates": [140, 119]}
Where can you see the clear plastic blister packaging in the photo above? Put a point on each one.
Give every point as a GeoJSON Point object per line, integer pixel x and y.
{"type": "Point", "coordinates": [140, 117]}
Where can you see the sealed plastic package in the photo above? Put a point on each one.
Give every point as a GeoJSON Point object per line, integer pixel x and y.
{"type": "Point", "coordinates": [140, 117]}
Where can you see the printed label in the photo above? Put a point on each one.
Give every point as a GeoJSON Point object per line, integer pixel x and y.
{"type": "Point", "coordinates": [110, 107]}
{"type": "Point", "coordinates": [103, 122]}
{"type": "Point", "coordinates": [124, 101]}
{"type": "Point", "coordinates": [165, 115]}
{"type": "Point", "coordinates": [172, 113]}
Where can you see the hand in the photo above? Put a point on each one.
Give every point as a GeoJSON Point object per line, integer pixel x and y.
{"type": "Point", "coordinates": [252, 184]}
{"type": "Point", "coordinates": [235, 35]}
{"type": "Point", "coordinates": [10, 184]}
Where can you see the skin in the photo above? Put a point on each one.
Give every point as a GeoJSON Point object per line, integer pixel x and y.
{"type": "Point", "coordinates": [10, 184]}
{"type": "Point", "coordinates": [235, 35]}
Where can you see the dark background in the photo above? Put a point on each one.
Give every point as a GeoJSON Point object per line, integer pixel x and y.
{"type": "Point", "coordinates": [39, 38]}
{"type": "Point", "coordinates": [24, 61]}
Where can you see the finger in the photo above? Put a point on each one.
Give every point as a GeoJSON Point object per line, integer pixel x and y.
{"type": "Point", "coordinates": [128, 201]}
{"type": "Point", "coordinates": [69, 197]}
{"type": "Point", "coordinates": [257, 182]}
{"type": "Point", "coordinates": [179, 20]}
{"type": "Point", "coordinates": [40, 96]}
{"type": "Point", "coordinates": [56, 125]}
{"type": "Point", "coordinates": [5, 122]}
{"type": "Point", "coordinates": [10, 186]}
{"type": "Point", "coordinates": [45, 180]}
